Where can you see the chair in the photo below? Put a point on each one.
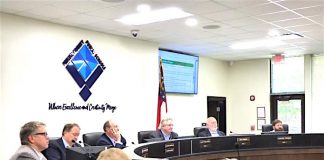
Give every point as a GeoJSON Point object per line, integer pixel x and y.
{"type": "Point", "coordinates": [142, 135]}
{"type": "Point", "coordinates": [198, 129]}
{"type": "Point", "coordinates": [268, 127]}
{"type": "Point", "coordinates": [91, 138]}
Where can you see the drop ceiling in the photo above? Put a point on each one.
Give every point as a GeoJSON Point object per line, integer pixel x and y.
{"type": "Point", "coordinates": [238, 20]}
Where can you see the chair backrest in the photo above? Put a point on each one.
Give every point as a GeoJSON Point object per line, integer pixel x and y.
{"type": "Point", "coordinates": [268, 127]}
{"type": "Point", "coordinates": [91, 138]}
{"type": "Point", "coordinates": [196, 130]}
{"type": "Point", "coordinates": [142, 135]}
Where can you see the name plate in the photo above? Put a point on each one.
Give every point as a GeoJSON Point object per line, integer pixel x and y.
{"type": "Point", "coordinates": [206, 143]}
{"type": "Point", "coordinates": [168, 147]}
{"type": "Point", "coordinates": [284, 139]}
{"type": "Point", "coordinates": [144, 152]}
{"type": "Point", "coordinates": [243, 141]}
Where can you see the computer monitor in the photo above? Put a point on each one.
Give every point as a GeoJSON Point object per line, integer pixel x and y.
{"type": "Point", "coordinates": [84, 153]}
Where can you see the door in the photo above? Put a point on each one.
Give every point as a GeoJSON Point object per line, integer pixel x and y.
{"type": "Point", "coordinates": [216, 107]}
{"type": "Point", "coordinates": [290, 109]}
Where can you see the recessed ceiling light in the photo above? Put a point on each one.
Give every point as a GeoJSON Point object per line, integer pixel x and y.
{"type": "Point", "coordinates": [211, 26]}
{"type": "Point", "coordinates": [191, 22]}
{"type": "Point", "coordinates": [143, 8]}
{"type": "Point", "coordinates": [153, 16]}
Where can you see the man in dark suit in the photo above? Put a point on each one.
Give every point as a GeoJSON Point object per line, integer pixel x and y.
{"type": "Point", "coordinates": [57, 148]}
{"type": "Point", "coordinates": [211, 130]}
{"type": "Point", "coordinates": [165, 131]}
{"type": "Point", "coordinates": [112, 136]}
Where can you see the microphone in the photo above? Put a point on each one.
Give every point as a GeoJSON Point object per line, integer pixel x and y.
{"type": "Point", "coordinates": [76, 143]}
{"type": "Point", "coordinates": [85, 144]}
{"type": "Point", "coordinates": [89, 154]}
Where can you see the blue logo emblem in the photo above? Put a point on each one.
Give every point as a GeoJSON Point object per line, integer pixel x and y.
{"type": "Point", "coordinates": [84, 66]}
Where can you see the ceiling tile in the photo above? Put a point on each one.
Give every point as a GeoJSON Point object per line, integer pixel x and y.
{"type": "Point", "coordinates": [318, 19]}
{"type": "Point", "coordinates": [279, 16]}
{"type": "Point", "coordinates": [241, 4]}
{"type": "Point", "coordinates": [242, 22]}
{"type": "Point", "coordinates": [292, 22]}
{"type": "Point", "coordinates": [225, 15]}
{"type": "Point", "coordinates": [295, 4]}
{"type": "Point", "coordinates": [51, 11]}
{"type": "Point", "coordinates": [78, 6]}
{"type": "Point", "coordinates": [305, 28]}
{"type": "Point", "coordinates": [311, 11]}
{"type": "Point", "coordinates": [21, 5]}
{"type": "Point", "coordinates": [262, 9]}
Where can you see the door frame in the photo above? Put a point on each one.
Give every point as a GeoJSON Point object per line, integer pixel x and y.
{"type": "Point", "coordinates": [274, 106]}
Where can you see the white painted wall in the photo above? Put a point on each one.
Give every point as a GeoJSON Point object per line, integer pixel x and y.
{"type": "Point", "coordinates": [32, 75]}
{"type": "Point", "coordinates": [247, 78]}
{"type": "Point", "coordinates": [317, 109]}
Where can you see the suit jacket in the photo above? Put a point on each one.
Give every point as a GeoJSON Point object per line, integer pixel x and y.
{"type": "Point", "coordinates": [206, 133]}
{"type": "Point", "coordinates": [56, 150]}
{"type": "Point", "coordinates": [104, 140]}
{"type": "Point", "coordinates": [159, 134]}
{"type": "Point", "coordinates": [26, 152]}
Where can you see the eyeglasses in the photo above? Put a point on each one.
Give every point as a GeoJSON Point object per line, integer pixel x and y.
{"type": "Point", "coordinates": [41, 133]}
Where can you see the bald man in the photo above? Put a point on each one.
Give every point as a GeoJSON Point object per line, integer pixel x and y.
{"type": "Point", "coordinates": [212, 130]}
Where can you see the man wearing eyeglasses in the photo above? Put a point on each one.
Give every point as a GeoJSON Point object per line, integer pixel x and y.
{"type": "Point", "coordinates": [34, 139]}
{"type": "Point", "coordinates": [57, 148]}
{"type": "Point", "coordinates": [165, 130]}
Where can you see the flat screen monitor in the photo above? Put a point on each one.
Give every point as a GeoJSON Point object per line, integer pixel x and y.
{"type": "Point", "coordinates": [180, 72]}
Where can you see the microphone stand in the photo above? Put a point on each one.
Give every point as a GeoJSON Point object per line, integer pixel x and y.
{"type": "Point", "coordinates": [237, 146]}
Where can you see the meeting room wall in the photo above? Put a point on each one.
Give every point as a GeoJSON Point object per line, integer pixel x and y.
{"type": "Point", "coordinates": [33, 76]}
{"type": "Point", "coordinates": [247, 78]}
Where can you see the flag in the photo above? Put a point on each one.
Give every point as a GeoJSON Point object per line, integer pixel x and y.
{"type": "Point", "coordinates": [162, 102]}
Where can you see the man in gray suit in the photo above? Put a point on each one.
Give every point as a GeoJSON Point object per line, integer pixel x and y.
{"type": "Point", "coordinates": [34, 139]}
{"type": "Point", "coordinates": [165, 131]}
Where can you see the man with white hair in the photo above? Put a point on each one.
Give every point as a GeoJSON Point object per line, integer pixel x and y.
{"type": "Point", "coordinates": [212, 130]}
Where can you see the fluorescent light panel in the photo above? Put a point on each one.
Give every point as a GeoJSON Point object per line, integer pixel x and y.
{"type": "Point", "coordinates": [154, 16]}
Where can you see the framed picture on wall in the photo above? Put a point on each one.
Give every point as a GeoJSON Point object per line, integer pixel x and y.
{"type": "Point", "coordinates": [260, 122]}
{"type": "Point", "coordinates": [261, 112]}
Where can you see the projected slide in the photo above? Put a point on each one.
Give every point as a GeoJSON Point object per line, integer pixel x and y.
{"type": "Point", "coordinates": [180, 72]}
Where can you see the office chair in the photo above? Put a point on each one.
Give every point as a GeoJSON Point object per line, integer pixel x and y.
{"type": "Point", "coordinates": [196, 130]}
{"type": "Point", "coordinates": [268, 127]}
{"type": "Point", "coordinates": [91, 138]}
{"type": "Point", "coordinates": [142, 135]}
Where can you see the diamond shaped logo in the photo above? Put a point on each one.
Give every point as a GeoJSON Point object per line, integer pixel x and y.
{"type": "Point", "coordinates": [84, 66]}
